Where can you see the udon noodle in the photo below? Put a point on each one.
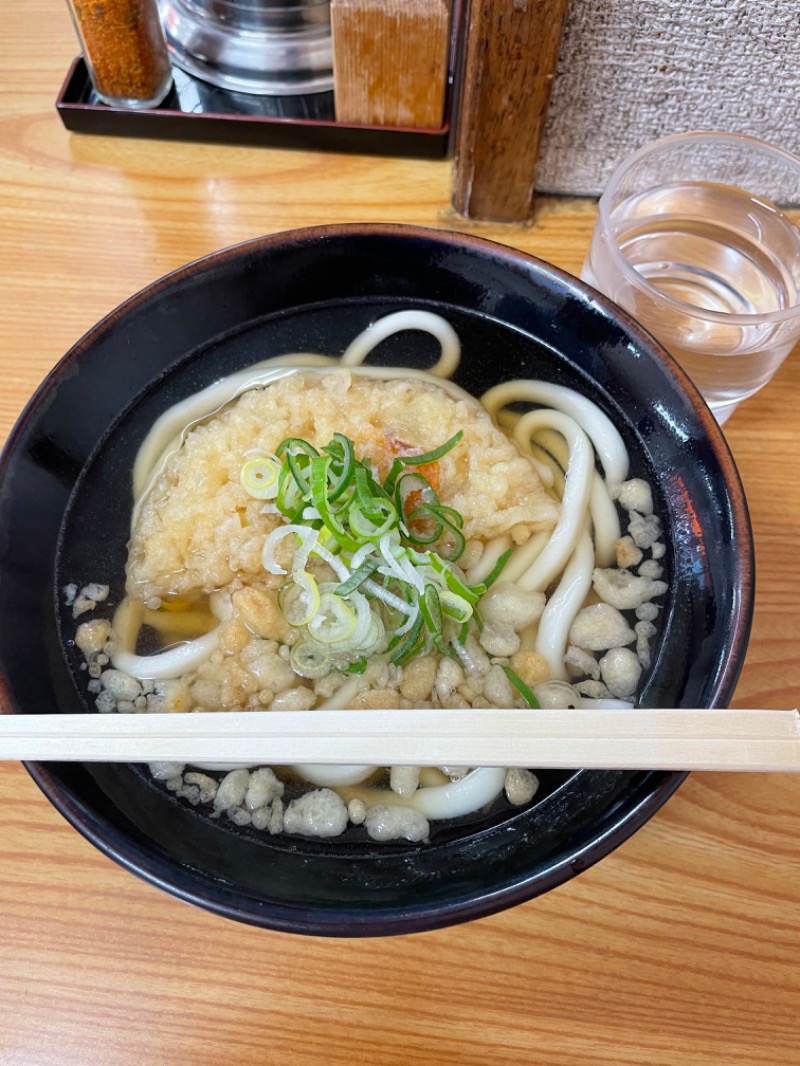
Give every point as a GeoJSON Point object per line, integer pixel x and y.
{"type": "Point", "coordinates": [418, 549]}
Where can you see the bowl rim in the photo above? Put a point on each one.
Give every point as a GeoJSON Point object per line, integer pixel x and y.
{"type": "Point", "coordinates": [655, 787]}
{"type": "Point", "coordinates": [653, 792]}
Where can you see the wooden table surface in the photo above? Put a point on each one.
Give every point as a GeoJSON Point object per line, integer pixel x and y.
{"type": "Point", "coordinates": [682, 947]}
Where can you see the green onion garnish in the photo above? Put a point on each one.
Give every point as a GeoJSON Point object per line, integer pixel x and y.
{"type": "Point", "coordinates": [521, 688]}
{"type": "Point", "coordinates": [358, 667]}
{"type": "Point", "coordinates": [391, 547]}
{"type": "Point", "coordinates": [497, 569]}
{"type": "Point", "coordinates": [421, 460]}
{"type": "Point", "coordinates": [358, 577]}
{"type": "Point", "coordinates": [260, 478]}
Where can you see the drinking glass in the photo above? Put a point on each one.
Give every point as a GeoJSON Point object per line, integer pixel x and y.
{"type": "Point", "coordinates": [697, 238]}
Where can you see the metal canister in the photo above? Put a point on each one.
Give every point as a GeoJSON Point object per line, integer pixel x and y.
{"type": "Point", "coordinates": [268, 47]}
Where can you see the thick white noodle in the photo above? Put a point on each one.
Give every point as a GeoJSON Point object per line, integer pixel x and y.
{"type": "Point", "coordinates": [477, 789]}
{"type": "Point", "coordinates": [558, 695]}
{"type": "Point", "coordinates": [605, 523]}
{"type": "Point", "coordinates": [439, 327]}
{"type": "Point", "coordinates": [524, 556]}
{"type": "Point", "coordinates": [602, 432]}
{"type": "Point", "coordinates": [544, 471]}
{"type": "Point", "coordinates": [535, 576]}
{"type": "Point", "coordinates": [167, 665]}
{"type": "Point", "coordinates": [174, 662]}
{"type": "Point", "coordinates": [332, 776]}
{"type": "Point", "coordinates": [472, 792]}
{"type": "Point", "coordinates": [563, 605]}
{"type": "Point", "coordinates": [491, 553]}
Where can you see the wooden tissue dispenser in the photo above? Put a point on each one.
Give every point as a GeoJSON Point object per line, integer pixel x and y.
{"type": "Point", "coordinates": [390, 61]}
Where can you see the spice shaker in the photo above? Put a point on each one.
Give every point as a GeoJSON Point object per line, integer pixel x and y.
{"type": "Point", "coordinates": [124, 48]}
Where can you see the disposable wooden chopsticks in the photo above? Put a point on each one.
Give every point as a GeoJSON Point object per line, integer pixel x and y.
{"type": "Point", "coordinates": [755, 740]}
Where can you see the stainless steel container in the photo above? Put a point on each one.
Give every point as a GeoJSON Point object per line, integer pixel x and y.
{"type": "Point", "coordinates": [268, 47]}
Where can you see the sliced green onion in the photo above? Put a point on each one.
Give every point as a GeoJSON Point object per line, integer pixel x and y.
{"type": "Point", "coordinates": [301, 600]}
{"type": "Point", "coordinates": [494, 573]}
{"type": "Point", "coordinates": [397, 565]}
{"type": "Point", "coordinates": [371, 524]}
{"type": "Point", "coordinates": [327, 540]}
{"type": "Point", "coordinates": [420, 460]}
{"type": "Point", "coordinates": [294, 488]}
{"type": "Point", "coordinates": [307, 539]}
{"type": "Point", "coordinates": [521, 688]}
{"type": "Point", "coordinates": [451, 515]}
{"type": "Point", "coordinates": [342, 514]}
{"type": "Point", "coordinates": [433, 530]}
{"type": "Point", "coordinates": [319, 495]}
{"type": "Point", "coordinates": [334, 621]}
{"type": "Point", "coordinates": [441, 646]}
{"type": "Point", "coordinates": [342, 452]}
{"type": "Point", "coordinates": [436, 454]}
{"type": "Point", "coordinates": [408, 646]}
{"type": "Point", "coordinates": [359, 576]}
{"type": "Point", "coordinates": [290, 499]}
{"type": "Point", "coordinates": [300, 467]}
{"type": "Point", "coordinates": [498, 567]}
{"type": "Point", "coordinates": [386, 596]}
{"type": "Point", "coordinates": [455, 606]}
{"type": "Point", "coordinates": [453, 528]}
{"type": "Point", "coordinates": [310, 659]}
{"type": "Point", "coordinates": [430, 607]}
{"type": "Point", "coordinates": [366, 487]}
{"type": "Point", "coordinates": [260, 478]}
{"type": "Point", "coordinates": [471, 593]}
{"type": "Point", "coordinates": [440, 527]}
{"type": "Point", "coordinates": [296, 446]}
{"type": "Point", "coordinates": [410, 483]}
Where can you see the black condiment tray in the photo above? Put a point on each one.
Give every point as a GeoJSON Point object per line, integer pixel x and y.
{"type": "Point", "coordinates": [198, 111]}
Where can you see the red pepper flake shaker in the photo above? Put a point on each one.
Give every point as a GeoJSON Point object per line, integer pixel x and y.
{"type": "Point", "coordinates": [124, 48]}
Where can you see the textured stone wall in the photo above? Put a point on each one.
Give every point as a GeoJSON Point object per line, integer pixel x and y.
{"type": "Point", "coordinates": [633, 70]}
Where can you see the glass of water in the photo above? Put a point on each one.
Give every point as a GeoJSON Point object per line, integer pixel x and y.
{"type": "Point", "coordinates": [697, 237]}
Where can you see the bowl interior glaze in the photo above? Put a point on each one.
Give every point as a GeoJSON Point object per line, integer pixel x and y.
{"type": "Point", "coordinates": [65, 510]}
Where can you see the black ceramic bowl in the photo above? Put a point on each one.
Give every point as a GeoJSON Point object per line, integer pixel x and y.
{"type": "Point", "coordinates": [64, 511]}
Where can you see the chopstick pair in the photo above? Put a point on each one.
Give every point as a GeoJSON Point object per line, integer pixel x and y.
{"type": "Point", "coordinates": [724, 739]}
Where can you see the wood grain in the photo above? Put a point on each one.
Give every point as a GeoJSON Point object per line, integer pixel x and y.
{"type": "Point", "coordinates": [390, 61]}
{"type": "Point", "coordinates": [679, 948]}
{"type": "Point", "coordinates": [510, 56]}
{"type": "Point", "coordinates": [726, 739]}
